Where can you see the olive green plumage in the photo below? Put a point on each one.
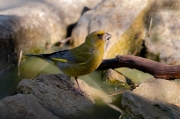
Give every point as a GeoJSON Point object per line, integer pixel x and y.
{"type": "Point", "coordinates": [80, 60]}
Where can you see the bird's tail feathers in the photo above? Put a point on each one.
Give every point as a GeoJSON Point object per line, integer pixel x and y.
{"type": "Point", "coordinates": [42, 56]}
{"type": "Point", "coordinates": [31, 55]}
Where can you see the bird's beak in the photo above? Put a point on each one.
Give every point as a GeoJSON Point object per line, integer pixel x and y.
{"type": "Point", "coordinates": [107, 36]}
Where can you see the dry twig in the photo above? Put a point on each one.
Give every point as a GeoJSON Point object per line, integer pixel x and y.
{"type": "Point", "coordinates": [157, 69]}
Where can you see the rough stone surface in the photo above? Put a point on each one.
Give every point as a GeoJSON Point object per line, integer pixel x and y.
{"type": "Point", "coordinates": [27, 28]}
{"type": "Point", "coordinates": [57, 94]}
{"type": "Point", "coordinates": [68, 11]}
{"type": "Point", "coordinates": [121, 18]}
{"type": "Point", "coordinates": [151, 100]}
{"type": "Point", "coordinates": [114, 76]}
{"type": "Point", "coordinates": [164, 39]}
{"type": "Point", "coordinates": [23, 107]}
{"type": "Point", "coordinates": [167, 4]}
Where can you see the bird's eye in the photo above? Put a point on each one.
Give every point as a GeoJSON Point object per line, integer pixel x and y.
{"type": "Point", "coordinates": [100, 36]}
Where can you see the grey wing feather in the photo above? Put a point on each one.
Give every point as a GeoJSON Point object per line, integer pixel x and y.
{"type": "Point", "coordinates": [65, 54]}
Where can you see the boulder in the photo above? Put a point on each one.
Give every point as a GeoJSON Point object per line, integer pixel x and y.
{"type": "Point", "coordinates": [57, 94]}
{"type": "Point", "coordinates": [114, 76]}
{"type": "Point", "coordinates": [68, 11]}
{"type": "Point", "coordinates": [151, 100]}
{"type": "Point", "coordinates": [23, 107]}
{"type": "Point", "coordinates": [123, 19]}
{"type": "Point", "coordinates": [27, 28]}
{"type": "Point", "coordinates": [164, 37]}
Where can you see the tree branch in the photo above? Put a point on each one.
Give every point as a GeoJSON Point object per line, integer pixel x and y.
{"type": "Point", "coordinates": [156, 69]}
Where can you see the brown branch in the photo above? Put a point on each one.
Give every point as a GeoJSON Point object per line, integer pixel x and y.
{"type": "Point", "coordinates": [156, 69]}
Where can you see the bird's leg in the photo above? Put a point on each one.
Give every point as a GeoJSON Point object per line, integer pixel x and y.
{"type": "Point", "coordinates": [77, 82]}
{"type": "Point", "coordinates": [79, 89]}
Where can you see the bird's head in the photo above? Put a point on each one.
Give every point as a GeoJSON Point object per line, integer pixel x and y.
{"type": "Point", "coordinates": [98, 37]}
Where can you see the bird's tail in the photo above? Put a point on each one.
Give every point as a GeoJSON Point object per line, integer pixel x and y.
{"type": "Point", "coordinates": [45, 57]}
{"type": "Point", "coordinates": [31, 55]}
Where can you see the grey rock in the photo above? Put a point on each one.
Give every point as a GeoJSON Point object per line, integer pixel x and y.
{"type": "Point", "coordinates": [151, 100]}
{"type": "Point", "coordinates": [23, 107]}
{"type": "Point", "coordinates": [164, 38]}
{"type": "Point", "coordinates": [68, 11]}
{"type": "Point", "coordinates": [27, 28]}
{"type": "Point", "coordinates": [57, 94]}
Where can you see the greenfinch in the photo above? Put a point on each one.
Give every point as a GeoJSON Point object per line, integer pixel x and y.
{"type": "Point", "coordinates": [80, 60]}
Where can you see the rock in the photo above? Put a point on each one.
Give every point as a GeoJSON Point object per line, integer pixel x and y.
{"type": "Point", "coordinates": [56, 94]}
{"type": "Point", "coordinates": [122, 19]}
{"type": "Point", "coordinates": [118, 80]}
{"type": "Point", "coordinates": [151, 100]}
{"type": "Point", "coordinates": [114, 76]}
{"type": "Point", "coordinates": [68, 11]}
{"type": "Point", "coordinates": [23, 107]}
{"type": "Point", "coordinates": [27, 28]}
{"type": "Point", "coordinates": [166, 4]}
{"type": "Point", "coordinates": [164, 39]}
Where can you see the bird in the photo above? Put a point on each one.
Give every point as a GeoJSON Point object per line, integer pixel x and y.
{"type": "Point", "coordinates": [82, 59]}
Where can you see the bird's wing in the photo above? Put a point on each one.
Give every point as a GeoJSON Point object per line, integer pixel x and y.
{"type": "Point", "coordinates": [78, 58]}
{"type": "Point", "coordinates": [62, 56]}
{"type": "Point", "coordinates": [81, 53]}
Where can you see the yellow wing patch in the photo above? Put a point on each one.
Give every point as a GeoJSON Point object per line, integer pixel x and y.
{"type": "Point", "coordinates": [82, 63]}
{"type": "Point", "coordinates": [59, 59]}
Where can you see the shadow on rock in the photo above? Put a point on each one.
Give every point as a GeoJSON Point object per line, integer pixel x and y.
{"type": "Point", "coordinates": [152, 100]}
